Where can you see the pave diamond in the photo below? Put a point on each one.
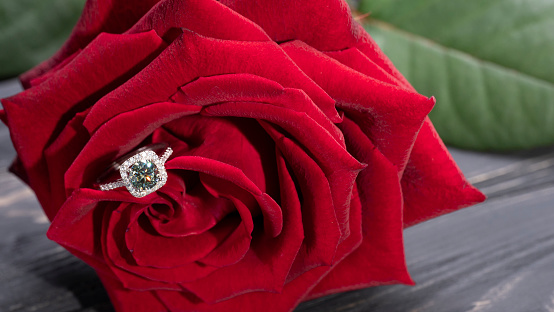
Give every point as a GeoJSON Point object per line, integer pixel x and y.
{"type": "Point", "coordinates": [143, 175]}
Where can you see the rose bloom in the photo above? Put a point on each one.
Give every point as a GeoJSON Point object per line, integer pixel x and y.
{"type": "Point", "coordinates": [300, 152]}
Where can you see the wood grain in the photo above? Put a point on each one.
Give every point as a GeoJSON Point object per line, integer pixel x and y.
{"type": "Point", "coordinates": [497, 256]}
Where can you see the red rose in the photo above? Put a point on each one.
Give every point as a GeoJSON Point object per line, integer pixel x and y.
{"type": "Point", "coordinates": [300, 153]}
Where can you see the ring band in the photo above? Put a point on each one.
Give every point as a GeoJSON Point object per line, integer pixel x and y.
{"type": "Point", "coordinates": [142, 172]}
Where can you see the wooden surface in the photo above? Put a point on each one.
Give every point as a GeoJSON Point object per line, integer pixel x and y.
{"type": "Point", "coordinates": [497, 256]}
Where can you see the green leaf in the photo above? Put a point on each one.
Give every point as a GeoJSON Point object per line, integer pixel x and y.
{"type": "Point", "coordinates": [490, 64]}
{"type": "Point", "coordinates": [32, 30]}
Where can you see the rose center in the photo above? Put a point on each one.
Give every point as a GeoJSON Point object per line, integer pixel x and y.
{"type": "Point", "coordinates": [143, 175]}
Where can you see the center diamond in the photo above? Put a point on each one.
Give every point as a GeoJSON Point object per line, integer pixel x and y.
{"type": "Point", "coordinates": [143, 175]}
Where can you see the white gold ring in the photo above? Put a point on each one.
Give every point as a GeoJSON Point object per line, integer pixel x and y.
{"type": "Point", "coordinates": [142, 172]}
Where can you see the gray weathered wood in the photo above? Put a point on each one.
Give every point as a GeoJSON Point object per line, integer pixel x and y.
{"type": "Point", "coordinates": [7, 88]}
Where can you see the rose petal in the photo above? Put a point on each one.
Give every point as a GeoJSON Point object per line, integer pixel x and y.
{"type": "Point", "coordinates": [124, 266]}
{"type": "Point", "coordinates": [301, 126]}
{"type": "Point", "coordinates": [270, 259]}
{"type": "Point", "coordinates": [333, 159]}
{"type": "Point", "coordinates": [232, 249]}
{"type": "Point", "coordinates": [153, 250]}
{"type": "Point", "coordinates": [192, 56]}
{"type": "Point", "coordinates": [370, 49]}
{"type": "Point", "coordinates": [194, 212]}
{"type": "Point", "coordinates": [244, 203]}
{"type": "Point", "coordinates": [59, 156]}
{"type": "Point", "coordinates": [78, 222]}
{"type": "Point", "coordinates": [3, 117]}
{"type": "Point", "coordinates": [321, 229]}
{"type": "Point", "coordinates": [385, 112]}
{"type": "Point", "coordinates": [207, 91]}
{"type": "Point", "coordinates": [192, 16]}
{"type": "Point", "coordinates": [285, 300]}
{"type": "Point", "coordinates": [433, 186]}
{"type": "Point", "coordinates": [301, 20]}
{"type": "Point", "coordinates": [47, 75]}
{"type": "Point", "coordinates": [235, 141]}
{"type": "Point", "coordinates": [110, 16]}
{"type": "Point", "coordinates": [380, 258]}
{"type": "Point", "coordinates": [273, 220]}
{"type": "Point", "coordinates": [360, 62]}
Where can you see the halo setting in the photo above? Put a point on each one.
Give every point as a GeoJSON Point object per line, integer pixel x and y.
{"type": "Point", "coordinates": [142, 174]}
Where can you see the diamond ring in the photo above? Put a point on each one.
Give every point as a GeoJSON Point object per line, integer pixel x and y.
{"type": "Point", "coordinates": [142, 171]}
